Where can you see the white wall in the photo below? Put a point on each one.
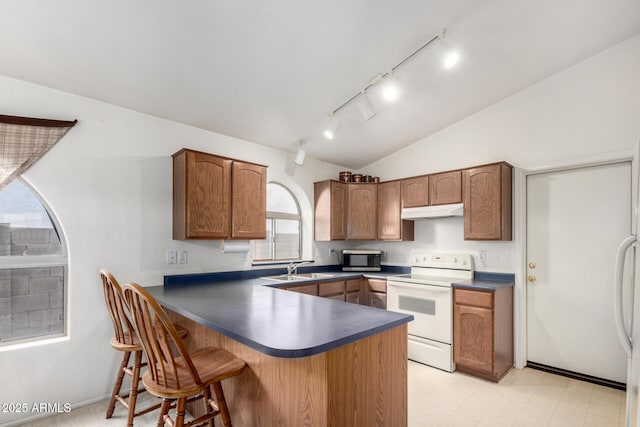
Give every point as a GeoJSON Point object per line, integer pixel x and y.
{"type": "Point", "coordinates": [589, 111]}
{"type": "Point", "coordinates": [109, 184]}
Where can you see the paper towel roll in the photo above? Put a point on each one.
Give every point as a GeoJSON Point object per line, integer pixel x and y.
{"type": "Point", "coordinates": [234, 246]}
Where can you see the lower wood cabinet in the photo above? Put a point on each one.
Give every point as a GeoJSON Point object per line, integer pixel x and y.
{"type": "Point", "coordinates": [353, 288]}
{"type": "Point", "coordinates": [483, 331]}
{"type": "Point", "coordinates": [376, 293]}
{"type": "Point", "coordinates": [309, 289]}
{"type": "Point", "coordinates": [332, 290]}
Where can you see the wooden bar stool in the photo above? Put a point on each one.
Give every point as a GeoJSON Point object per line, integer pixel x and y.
{"type": "Point", "coordinates": [185, 376]}
{"type": "Point", "coordinates": [126, 341]}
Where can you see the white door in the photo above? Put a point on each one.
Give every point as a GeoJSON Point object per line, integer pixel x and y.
{"type": "Point", "coordinates": [575, 220]}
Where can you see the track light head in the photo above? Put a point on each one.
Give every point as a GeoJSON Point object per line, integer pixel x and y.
{"type": "Point", "coordinates": [366, 107]}
{"type": "Point", "coordinates": [301, 154]}
{"type": "Point", "coordinates": [391, 90]}
{"type": "Point", "coordinates": [447, 55]}
{"type": "Point", "coordinates": [331, 130]}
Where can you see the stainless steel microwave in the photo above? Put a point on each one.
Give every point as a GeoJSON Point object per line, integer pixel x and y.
{"type": "Point", "coordinates": [361, 260]}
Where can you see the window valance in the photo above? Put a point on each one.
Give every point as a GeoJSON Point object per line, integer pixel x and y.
{"type": "Point", "coordinates": [24, 140]}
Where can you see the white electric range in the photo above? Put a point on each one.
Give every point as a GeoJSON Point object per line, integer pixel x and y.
{"type": "Point", "coordinates": [427, 294]}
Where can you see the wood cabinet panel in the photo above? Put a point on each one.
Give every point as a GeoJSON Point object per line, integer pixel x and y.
{"type": "Point", "coordinates": [487, 202]}
{"type": "Point", "coordinates": [353, 285]}
{"type": "Point", "coordinates": [445, 188]}
{"type": "Point", "coordinates": [249, 206]}
{"type": "Point", "coordinates": [201, 196]}
{"type": "Point", "coordinates": [378, 300]}
{"type": "Point", "coordinates": [483, 332]}
{"type": "Point", "coordinates": [473, 347]}
{"type": "Point", "coordinates": [353, 297]}
{"type": "Point", "coordinates": [331, 288]}
{"type": "Point", "coordinates": [390, 224]}
{"type": "Point", "coordinates": [330, 213]}
{"type": "Point", "coordinates": [415, 192]}
{"type": "Point", "coordinates": [309, 289]}
{"type": "Point", "coordinates": [362, 202]}
{"type": "Point", "coordinates": [474, 298]}
{"type": "Point", "coordinates": [377, 285]}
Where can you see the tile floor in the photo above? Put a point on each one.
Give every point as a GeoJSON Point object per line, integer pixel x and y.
{"type": "Point", "coordinates": [436, 398]}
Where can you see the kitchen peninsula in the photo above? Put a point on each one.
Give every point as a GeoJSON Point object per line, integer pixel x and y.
{"type": "Point", "coordinates": [311, 361]}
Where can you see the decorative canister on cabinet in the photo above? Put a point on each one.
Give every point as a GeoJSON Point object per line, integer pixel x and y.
{"type": "Point", "coordinates": [356, 177]}
{"type": "Point", "coordinates": [345, 176]}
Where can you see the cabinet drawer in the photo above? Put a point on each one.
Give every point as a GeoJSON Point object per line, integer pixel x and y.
{"type": "Point", "coordinates": [377, 285]}
{"type": "Point", "coordinates": [475, 298]}
{"type": "Point", "coordinates": [304, 289]}
{"type": "Point", "coordinates": [331, 288]}
{"type": "Point", "coordinates": [339, 297]}
{"type": "Point", "coordinates": [353, 285]}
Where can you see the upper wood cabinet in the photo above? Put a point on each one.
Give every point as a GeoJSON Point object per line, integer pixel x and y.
{"type": "Point", "coordinates": [415, 192]}
{"type": "Point", "coordinates": [330, 212]}
{"type": "Point", "coordinates": [362, 199]}
{"type": "Point", "coordinates": [217, 198]}
{"type": "Point", "coordinates": [487, 202]}
{"type": "Point", "coordinates": [445, 188]}
{"type": "Point", "coordinates": [390, 224]}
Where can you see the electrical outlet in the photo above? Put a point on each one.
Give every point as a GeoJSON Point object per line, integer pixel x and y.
{"type": "Point", "coordinates": [172, 256]}
{"type": "Point", "coordinates": [183, 257]}
{"type": "Point", "coordinates": [483, 256]}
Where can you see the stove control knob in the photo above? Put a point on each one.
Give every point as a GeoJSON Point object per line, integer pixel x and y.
{"type": "Point", "coordinates": [455, 259]}
{"type": "Point", "coordinates": [464, 262]}
{"type": "Point", "coordinates": [417, 259]}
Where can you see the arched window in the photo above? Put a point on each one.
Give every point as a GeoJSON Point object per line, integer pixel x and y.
{"type": "Point", "coordinates": [283, 240]}
{"type": "Point", "coordinates": [33, 263]}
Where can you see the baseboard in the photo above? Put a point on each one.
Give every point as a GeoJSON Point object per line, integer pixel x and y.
{"type": "Point", "coordinates": [577, 376]}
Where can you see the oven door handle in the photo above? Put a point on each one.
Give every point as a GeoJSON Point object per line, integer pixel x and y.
{"type": "Point", "coordinates": [431, 288]}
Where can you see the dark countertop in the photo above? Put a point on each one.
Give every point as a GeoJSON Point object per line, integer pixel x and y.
{"type": "Point", "coordinates": [274, 321]}
{"type": "Point", "coordinates": [486, 281]}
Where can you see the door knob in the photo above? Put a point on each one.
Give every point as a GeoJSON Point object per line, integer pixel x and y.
{"type": "Point", "coordinates": [531, 278]}
{"type": "Point", "coordinates": [532, 264]}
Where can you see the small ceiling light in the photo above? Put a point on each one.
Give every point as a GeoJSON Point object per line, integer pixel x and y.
{"type": "Point", "coordinates": [366, 108]}
{"type": "Point", "coordinates": [301, 154]}
{"type": "Point", "coordinates": [390, 91]}
{"type": "Point", "coordinates": [331, 130]}
{"type": "Point", "coordinates": [448, 56]}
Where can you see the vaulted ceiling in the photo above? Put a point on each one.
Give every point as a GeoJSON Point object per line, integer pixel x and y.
{"type": "Point", "coordinates": [270, 71]}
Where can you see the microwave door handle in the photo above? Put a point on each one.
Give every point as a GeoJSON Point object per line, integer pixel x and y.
{"type": "Point", "coordinates": [431, 288]}
{"type": "Point", "coordinates": [618, 294]}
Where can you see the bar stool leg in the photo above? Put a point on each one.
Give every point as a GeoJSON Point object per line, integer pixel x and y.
{"type": "Point", "coordinates": [164, 410]}
{"type": "Point", "coordinates": [118, 384]}
{"type": "Point", "coordinates": [133, 393]}
{"type": "Point", "coordinates": [222, 404]}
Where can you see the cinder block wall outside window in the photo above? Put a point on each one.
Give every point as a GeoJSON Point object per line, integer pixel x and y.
{"type": "Point", "coordinates": [31, 299]}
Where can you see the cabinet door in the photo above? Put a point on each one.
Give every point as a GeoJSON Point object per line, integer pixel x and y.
{"type": "Point", "coordinates": [201, 190]}
{"type": "Point", "coordinates": [330, 213]}
{"type": "Point", "coordinates": [378, 300]}
{"type": "Point", "coordinates": [327, 289]}
{"type": "Point", "coordinates": [415, 192]}
{"type": "Point", "coordinates": [445, 188]}
{"type": "Point", "coordinates": [473, 337]}
{"type": "Point", "coordinates": [353, 297]}
{"type": "Point", "coordinates": [362, 221]}
{"type": "Point", "coordinates": [249, 201]}
{"type": "Point", "coordinates": [389, 221]}
{"type": "Point", "coordinates": [487, 202]}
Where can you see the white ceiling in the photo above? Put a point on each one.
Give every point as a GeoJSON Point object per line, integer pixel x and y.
{"type": "Point", "coordinates": [271, 71]}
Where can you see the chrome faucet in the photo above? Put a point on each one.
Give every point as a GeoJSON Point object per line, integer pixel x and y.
{"type": "Point", "coordinates": [292, 268]}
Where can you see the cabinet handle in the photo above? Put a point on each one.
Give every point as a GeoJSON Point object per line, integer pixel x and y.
{"type": "Point", "coordinates": [531, 278]}
{"type": "Point", "coordinates": [532, 264]}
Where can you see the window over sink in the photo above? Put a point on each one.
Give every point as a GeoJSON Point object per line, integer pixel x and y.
{"type": "Point", "coordinates": [284, 236]}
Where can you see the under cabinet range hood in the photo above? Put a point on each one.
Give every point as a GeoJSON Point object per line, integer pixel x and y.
{"type": "Point", "coordinates": [438, 211]}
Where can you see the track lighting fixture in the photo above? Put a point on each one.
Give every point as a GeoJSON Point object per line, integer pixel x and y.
{"type": "Point", "coordinates": [366, 107]}
{"type": "Point", "coordinates": [447, 56]}
{"type": "Point", "coordinates": [332, 129]}
{"type": "Point", "coordinates": [301, 154]}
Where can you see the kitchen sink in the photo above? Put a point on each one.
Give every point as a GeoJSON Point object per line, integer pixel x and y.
{"type": "Point", "coordinates": [304, 276]}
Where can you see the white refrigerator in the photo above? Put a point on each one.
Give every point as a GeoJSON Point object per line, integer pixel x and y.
{"type": "Point", "coordinates": [627, 300]}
